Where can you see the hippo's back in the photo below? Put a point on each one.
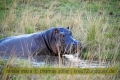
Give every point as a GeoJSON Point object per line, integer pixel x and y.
{"type": "Point", "coordinates": [22, 45]}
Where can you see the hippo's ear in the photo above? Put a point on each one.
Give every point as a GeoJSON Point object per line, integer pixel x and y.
{"type": "Point", "coordinates": [68, 27]}
{"type": "Point", "coordinates": [56, 31]}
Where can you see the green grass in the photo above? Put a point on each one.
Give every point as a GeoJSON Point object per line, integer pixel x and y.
{"type": "Point", "coordinates": [94, 23]}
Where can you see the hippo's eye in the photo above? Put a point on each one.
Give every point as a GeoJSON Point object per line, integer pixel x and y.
{"type": "Point", "coordinates": [62, 35]}
{"type": "Point", "coordinates": [70, 33]}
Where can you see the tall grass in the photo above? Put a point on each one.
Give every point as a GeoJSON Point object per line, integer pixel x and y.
{"type": "Point", "coordinates": [94, 23]}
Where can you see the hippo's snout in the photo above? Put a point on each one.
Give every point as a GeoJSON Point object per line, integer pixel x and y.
{"type": "Point", "coordinates": [76, 46]}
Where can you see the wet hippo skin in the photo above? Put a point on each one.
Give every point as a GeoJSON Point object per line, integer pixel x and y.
{"type": "Point", "coordinates": [49, 42]}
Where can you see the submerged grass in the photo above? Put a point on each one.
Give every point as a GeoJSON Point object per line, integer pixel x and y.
{"type": "Point", "coordinates": [94, 23]}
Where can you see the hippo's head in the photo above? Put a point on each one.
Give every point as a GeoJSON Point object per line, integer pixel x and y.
{"type": "Point", "coordinates": [62, 41]}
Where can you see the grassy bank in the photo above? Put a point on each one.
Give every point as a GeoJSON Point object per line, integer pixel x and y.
{"type": "Point", "coordinates": [95, 23]}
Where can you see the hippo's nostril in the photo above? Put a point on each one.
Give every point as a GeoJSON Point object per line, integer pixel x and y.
{"type": "Point", "coordinates": [73, 44]}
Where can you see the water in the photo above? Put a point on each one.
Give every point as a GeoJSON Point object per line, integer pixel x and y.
{"type": "Point", "coordinates": [69, 60]}
{"type": "Point", "coordinates": [36, 64]}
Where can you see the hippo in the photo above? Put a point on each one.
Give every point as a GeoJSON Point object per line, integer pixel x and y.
{"type": "Point", "coordinates": [49, 42]}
